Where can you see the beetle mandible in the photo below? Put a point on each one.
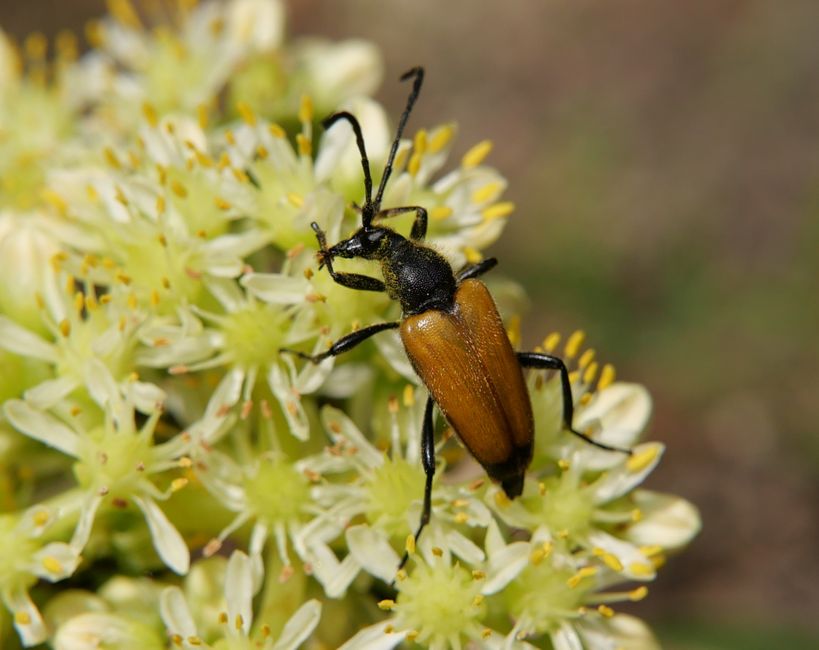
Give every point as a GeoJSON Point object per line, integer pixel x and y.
{"type": "Point", "coordinates": [451, 331]}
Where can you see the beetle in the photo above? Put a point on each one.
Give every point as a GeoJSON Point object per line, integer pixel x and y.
{"type": "Point", "coordinates": [450, 329]}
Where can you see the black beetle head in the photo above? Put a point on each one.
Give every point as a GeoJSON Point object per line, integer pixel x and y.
{"type": "Point", "coordinates": [365, 242]}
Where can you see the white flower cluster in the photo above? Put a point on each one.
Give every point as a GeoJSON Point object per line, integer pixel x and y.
{"type": "Point", "coordinates": [156, 196]}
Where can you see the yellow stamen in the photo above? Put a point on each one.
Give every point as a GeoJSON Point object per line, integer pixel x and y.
{"type": "Point", "coordinates": [638, 594]}
{"type": "Point", "coordinates": [605, 611]}
{"type": "Point", "coordinates": [221, 203]}
{"type": "Point", "coordinates": [486, 193]}
{"type": "Point", "coordinates": [498, 210]}
{"type": "Point", "coordinates": [409, 546]}
{"type": "Point", "coordinates": [563, 464]}
{"type": "Point", "coordinates": [276, 131]}
{"type": "Point", "coordinates": [36, 46]}
{"type": "Point", "coordinates": [409, 395]}
{"type": "Point", "coordinates": [65, 327]}
{"type": "Point", "coordinates": [551, 342]}
{"type": "Point", "coordinates": [513, 331]}
{"type": "Point", "coordinates": [582, 574]}
{"type": "Point", "coordinates": [306, 109]}
{"type": "Point", "coordinates": [261, 152]}
{"type": "Point", "coordinates": [609, 559]}
{"type": "Point", "coordinates": [94, 33]}
{"type": "Point", "coordinates": [419, 142]}
{"type": "Point", "coordinates": [111, 158]}
{"type": "Point", "coordinates": [641, 569]}
{"type": "Point", "coordinates": [123, 12]}
{"type": "Point", "coordinates": [440, 212]}
{"type": "Point", "coordinates": [440, 138]}
{"type": "Point", "coordinates": [246, 113]}
{"type": "Point", "coordinates": [41, 517]}
{"type": "Point", "coordinates": [150, 114]}
{"type": "Point", "coordinates": [178, 483]}
{"type": "Point", "coordinates": [179, 189]}
{"type": "Point", "coordinates": [52, 564]}
{"type": "Point", "coordinates": [590, 373]}
{"type": "Point", "coordinates": [296, 200]}
{"type": "Point", "coordinates": [639, 461]}
{"type": "Point", "coordinates": [387, 604]}
{"type": "Point", "coordinates": [573, 344]}
{"type": "Point", "coordinates": [21, 618]}
{"type": "Point", "coordinates": [476, 155]}
{"type": "Point", "coordinates": [472, 255]}
{"type": "Point", "coordinates": [202, 116]}
{"type": "Point", "coordinates": [304, 143]}
{"type": "Point", "coordinates": [414, 164]}
{"type": "Point", "coordinates": [585, 359]}
{"type": "Point", "coordinates": [55, 200]}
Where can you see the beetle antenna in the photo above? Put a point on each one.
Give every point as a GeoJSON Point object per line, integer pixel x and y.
{"type": "Point", "coordinates": [365, 162]}
{"type": "Point", "coordinates": [418, 74]}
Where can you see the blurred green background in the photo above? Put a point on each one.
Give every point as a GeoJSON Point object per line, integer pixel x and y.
{"type": "Point", "coordinates": [664, 157]}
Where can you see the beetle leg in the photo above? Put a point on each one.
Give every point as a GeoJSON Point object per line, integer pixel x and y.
{"type": "Point", "coordinates": [476, 270]}
{"type": "Point", "coordinates": [548, 362]}
{"type": "Point", "coordinates": [349, 280]}
{"type": "Point", "coordinates": [345, 343]}
{"type": "Point", "coordinates": [419, 226]}
{"type": "Point", "coordinates": [428, 461]}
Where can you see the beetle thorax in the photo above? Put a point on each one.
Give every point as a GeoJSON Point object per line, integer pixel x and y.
{"type": "Point", "coordinates": [417, 276]}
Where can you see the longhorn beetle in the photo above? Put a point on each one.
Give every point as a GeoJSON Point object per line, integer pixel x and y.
{"type": "Point", "coordinates": [451, 331]}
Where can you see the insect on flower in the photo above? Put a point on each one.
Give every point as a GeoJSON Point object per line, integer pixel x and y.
{"type": "Point", "coordinates": [451, 331]}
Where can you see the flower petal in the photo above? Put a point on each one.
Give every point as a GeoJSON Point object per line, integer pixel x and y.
{"type": "Point", "coordinates": [375, 637]}
{"type": "Point", "coordinates": [167, 541]}
{"type": "Point", "coordinates": [175, 612]}
{"type": "Point", "coordinates": [42, 427]}
{"type": "Point", "coordinates": [667, 520]}
{"type": "Point", "coordinates": [300, 626]}
{"type": "Point", "coordinates": [55, 561]}
{"type": "Point", "coordinates": [24, 342]}
{"type": "Point", "coordinates": [628, 474]}
{"type": "Point", "coordinates": [27, 619]}
{"type": "Point", "coordinates": [373, 551]}
{"type": "Point", "coordinates": [239, 592]}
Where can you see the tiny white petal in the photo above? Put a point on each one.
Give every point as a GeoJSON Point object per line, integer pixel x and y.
{"type": "Point", "coordinates": [666, 520]}
{"type": "Point", "coordinates": [175, 612]}
{"type": "Point", "coordinates": [56, 555]}
{"type": "Point", "coordinates": [621, 479]}
{"type": "Point", "coordinates": [144, 395]}
{"type": "Point", "coordinates": [85, 523]}
{"type": "Point", "coordinates": [333, 420]}
{"type": "Point", "coordinates": [620, 631]}
{"type": "Point", "coordinates": [373, 551]}
{"type": "Point", "coordinates": [622, 410]}
{"type": "Point", "coordinates": [464, 547]}
{"type": "Point", "coordinates": [334, 576]}
{"type": "Point", "coordinates": [24, 342]}
{"type": "Point", "coordinates": [626, 553]}
{"type": "Point", "coordinates": [390, 346]}
{"type": "Point", "coordinates": [227, 393]}
{"type": "Point", "coordinates": [50, 392]}
{"type": "Point", "coordinates": [566, 638]}
{"type": "Point", "coordinates": [281, 384]}
{"type": "Point", "coordinates": [276, 288]}
{"type": "Point", "coordinates": [504, 564]}
{"type": "Point", "coordinates": [17, 601]}
{"type": "Point", "coordinates": [101, 385]}
{"type": "Point", "coordinates": [239, 590]}
{"type": "Point", "coordinates": [375, 637]}
{"type": "Point", "coordinates": [300, 626]}
{"type": "Point", "coordinates": [167, 541]}
{"type": "Point", "coordinates": [42, 427]}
